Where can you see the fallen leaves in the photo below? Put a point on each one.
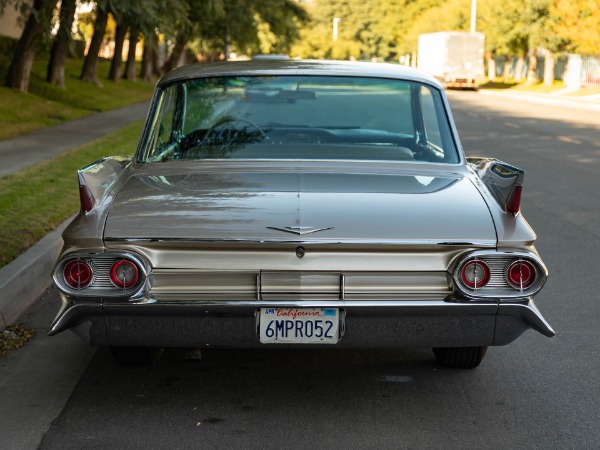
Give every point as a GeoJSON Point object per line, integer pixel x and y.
{"type": "Point", "coordinates": [15, 336]}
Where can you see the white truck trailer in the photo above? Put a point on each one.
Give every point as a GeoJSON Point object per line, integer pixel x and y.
{"type": "Point", "coordinates": [453, 57]}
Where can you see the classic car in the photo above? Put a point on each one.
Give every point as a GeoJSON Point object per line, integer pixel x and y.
{"type": "Point", "coordinates": [299, 203]}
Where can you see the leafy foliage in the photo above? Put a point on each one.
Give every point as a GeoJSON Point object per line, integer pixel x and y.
{"type": "Point", "coordinates": [577, 22]}
{"type": "Point", "coordinates": [390, 28]}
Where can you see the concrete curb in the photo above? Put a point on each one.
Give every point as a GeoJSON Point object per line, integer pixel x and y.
{"type": "Point", "coordinates": [546, 99]}
{"type": "Point", "coordinates": [25, 278]}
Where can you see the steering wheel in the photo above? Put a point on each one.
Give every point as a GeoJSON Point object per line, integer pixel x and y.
{"type": "Point", "coordinates": [233, 120]}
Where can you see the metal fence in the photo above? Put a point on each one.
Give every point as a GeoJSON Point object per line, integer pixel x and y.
{"type": "Point", "coordinates": [590, 70]}
{"type": "Point", "coordinates": [560, 66]}
{"type": "Point", "coordinates": [575, 70]}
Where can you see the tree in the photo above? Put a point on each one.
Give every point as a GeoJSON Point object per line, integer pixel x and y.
{"type": "Point", "coordinates": [201, 16]}
{"type": "Point", "coordinates": [55, 73]}
{"type": "Point", "coordinates": [116, 63]}
{"type": "Point", "coordinates": [89, 71]}
{"type": "Point", "coordinates": [218, 26]}
{"type": "Point", "coordinates": [134, 35]}
{"type": "Point", "coordinates": [38, 16]}
{"type": "Point", "coordinates": [577, 23]}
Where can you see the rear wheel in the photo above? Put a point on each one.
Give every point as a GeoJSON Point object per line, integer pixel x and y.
{"type": "Point", "coordinates": [459, 357]}
{"type": "Point", "coordinates": [136, 356]}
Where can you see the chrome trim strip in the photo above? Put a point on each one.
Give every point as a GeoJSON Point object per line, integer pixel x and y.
{"type": "Point", "coordinates": [426, 242]}
{"type": "Point", "coordinates": [259, 285]}
{"type": "Point", "coordinates": [303, 303]}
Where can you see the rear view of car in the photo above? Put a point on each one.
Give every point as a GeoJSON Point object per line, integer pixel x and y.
{"type": "Point", "coordinates": [300, 203]}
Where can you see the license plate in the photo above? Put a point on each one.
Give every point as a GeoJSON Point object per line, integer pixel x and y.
{"type": "Point", "coordinates": [299, 325]}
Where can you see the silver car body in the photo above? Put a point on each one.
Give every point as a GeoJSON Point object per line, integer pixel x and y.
{"type": "Point", "coordinates": [219, 241]}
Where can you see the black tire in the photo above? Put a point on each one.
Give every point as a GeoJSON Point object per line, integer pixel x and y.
{"type": "Point", "coordinates": [459, 357]}
{"type": "Point", "coordinates": [136, 356]}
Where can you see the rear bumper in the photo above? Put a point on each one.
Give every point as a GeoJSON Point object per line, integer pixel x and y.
{"type": "Point", "coordinates": [234, 323]}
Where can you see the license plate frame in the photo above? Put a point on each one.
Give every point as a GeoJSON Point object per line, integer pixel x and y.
{"type": "Point", "coordinates": [299, 325]}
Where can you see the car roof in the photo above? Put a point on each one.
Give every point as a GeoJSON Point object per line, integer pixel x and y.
{"type": "Point", "coordinates": [298, 67]}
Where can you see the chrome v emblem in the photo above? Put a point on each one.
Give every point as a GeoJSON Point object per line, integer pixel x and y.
{"type": "Point", "coordinates": [300, 230]}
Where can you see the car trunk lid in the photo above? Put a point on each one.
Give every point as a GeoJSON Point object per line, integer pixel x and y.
{"type": "Point", "coordinates": [301, 206]}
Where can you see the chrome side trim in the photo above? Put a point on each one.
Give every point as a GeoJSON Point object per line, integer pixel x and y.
{"type": "Point", "coordinates": [370, 242]}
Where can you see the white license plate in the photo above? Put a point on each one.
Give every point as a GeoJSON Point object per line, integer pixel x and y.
{"type": "Point", "coordinates": [299, 325]}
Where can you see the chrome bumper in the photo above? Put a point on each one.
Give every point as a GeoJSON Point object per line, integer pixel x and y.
{"type": "Point", "coordinates": [427, 323]}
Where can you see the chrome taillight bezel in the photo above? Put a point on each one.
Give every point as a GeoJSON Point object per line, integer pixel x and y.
{"type": "Point", "coordinates": [498, 285]}
{"type": "Point", "coordinates": [102, 263]}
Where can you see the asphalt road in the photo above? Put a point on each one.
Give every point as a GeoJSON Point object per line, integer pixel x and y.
{"type": "Point", "coordinates": [535, 393]}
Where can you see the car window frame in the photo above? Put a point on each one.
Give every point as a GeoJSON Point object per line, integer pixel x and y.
{"type": "Point", "coordinates": [448, 136]}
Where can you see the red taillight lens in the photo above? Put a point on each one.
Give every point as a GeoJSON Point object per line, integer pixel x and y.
{"type": "Point", "coordinates": [78, 274]}
{"type": "Point", "coordinates": [521, 274]}
{"type": "Point", "coordinates": [86, 198]}
{"type": "Point", "coordinates": [475, 274]}
{"type": "Point", "coordinates": [513, 204]}
{"type": "Point", "coordinates": [124, 274]}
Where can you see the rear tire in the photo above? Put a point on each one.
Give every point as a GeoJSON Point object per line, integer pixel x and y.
{"type": "Point", "coordinates": [136, 356]}
{"type": "Point", "coordinates": [459, 357]}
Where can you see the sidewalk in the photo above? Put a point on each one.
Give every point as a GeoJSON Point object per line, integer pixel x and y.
{"type": "Point", "coordinates": [587, 102]}
{"type": "Point", "coordinates": [24, 279]}
{"type": "Point", "coordinates": [23, 151]}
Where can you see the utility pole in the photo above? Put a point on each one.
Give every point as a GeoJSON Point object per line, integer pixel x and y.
{"type": "Point", "coordinates": [336, 21]}
{"type": "Point", "coordinates": [473, 15]}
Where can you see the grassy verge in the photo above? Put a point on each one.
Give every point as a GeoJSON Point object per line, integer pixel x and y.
{"type": "Point", "coordinates": [512, 85]}
{"type": "Point", "coordinates": [46, 104]}
{"type": "Point", "coordinates": [35, 200]}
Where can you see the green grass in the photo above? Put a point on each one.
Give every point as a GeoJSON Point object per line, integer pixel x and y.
{"type": "Point", "coordinates": [35, 200]}
{"type": "Point", "coordinates": [522, 86]}
{"type": "Point", "coordinates": [21, 113]}
{"type": "Point", "coordinates": [46, 104]}
{"type": "Point", "coordinates": [541, 88]}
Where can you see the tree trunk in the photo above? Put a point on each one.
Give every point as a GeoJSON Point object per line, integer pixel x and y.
{"type": "Point", "coordinates": [116, 64]}
{"type": "Point", "coordinates": [548, 67]}
{"type": "Point", "coordinates": [89, 72]}
{"type": "Point", "coordinates": [19, 70]}
{"type": "Point", "coordinates": [532, 77]}
{"type": "Point", "coordinates": [130, 66]}
{"type": "Point", "coordinates": [175, 58]}
{"type": "Point", "coordinates": [55, 73]}
{"type": "Point", "coordinates": [491, 65]}
{"type": "Point", "coordinates": [519, 68]}
{"type": "Point", "coordinates": [507, 67]}
{"type": "Point", "coordinates": [147, 56]}
{"type": "Point", "coordinates": [156, 64]}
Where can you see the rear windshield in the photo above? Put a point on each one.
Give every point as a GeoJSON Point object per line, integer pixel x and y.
{"type": "Point", "coordinates": [299, 117]}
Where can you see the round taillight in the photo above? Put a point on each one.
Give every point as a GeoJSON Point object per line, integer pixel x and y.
{"type": "Point", "coordinates": [78, 273]}
{"type": "Point", "coordinates": [475, 274]}
{"type": "Point", "coordinates": [521, 274]}
{"type": "Point", "coordinates": [124, 274]}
